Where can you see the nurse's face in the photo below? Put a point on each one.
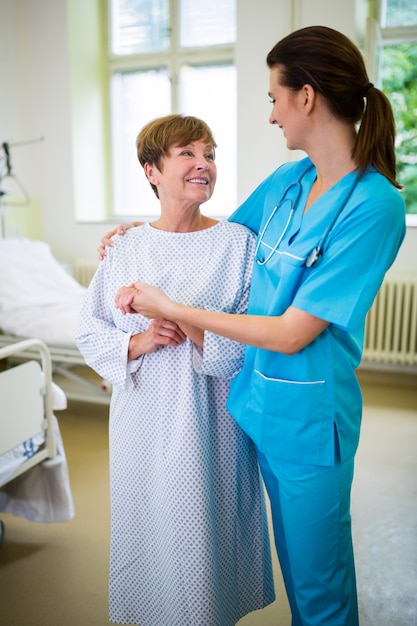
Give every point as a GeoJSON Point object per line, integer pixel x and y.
{"type": "Point", "coordinates": [187, 175]}
{"type": "Point", "coordinates": [286, 110]}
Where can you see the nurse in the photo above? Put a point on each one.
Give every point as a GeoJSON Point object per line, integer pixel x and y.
{"type": "Point", "coordinates": [329, 226]}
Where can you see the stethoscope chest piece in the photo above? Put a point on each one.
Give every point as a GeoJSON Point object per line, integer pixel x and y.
{"type": "Point", "coordinates": [313, 257]}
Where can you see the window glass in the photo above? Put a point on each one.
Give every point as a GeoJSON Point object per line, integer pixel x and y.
{"type": "Point", "coordinates": [399, 13]}
{"type": "Point", "coordinates": [137, 98]}
{"type": "Point", "coordinates": [397, 75]}
{"type": "Point", "coordinates": [207, 24]}
{"type": "Point", "coordinates": [399, 80]}
{"type": "Point", "coordinates": [197, 87]}
{"type": "Point", "coordinates": [141, 96]}
{"type": "Point", "coordinates": [139, 26]}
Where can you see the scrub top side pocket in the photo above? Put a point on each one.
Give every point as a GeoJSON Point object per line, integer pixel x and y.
{"type": "Point", "coordinates": [293, 420]}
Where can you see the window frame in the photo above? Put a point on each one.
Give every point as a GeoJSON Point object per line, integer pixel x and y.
{"type": "Point", "coordinates": [379, 36]}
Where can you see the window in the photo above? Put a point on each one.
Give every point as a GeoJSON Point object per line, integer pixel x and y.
{"type": "Point", "coordinates": [171, 56]}
{"type": "Point", "coordinates": [397, 75]}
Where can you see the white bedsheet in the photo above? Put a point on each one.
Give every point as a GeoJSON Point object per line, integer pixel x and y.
{"type": "Point", "coordinates": [38, 297]}
{"type": "Point", "coordinates": [11, 461]}
{"type": "Point", "coordinates": [43, 493]}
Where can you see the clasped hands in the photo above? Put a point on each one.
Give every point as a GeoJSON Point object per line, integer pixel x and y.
{"type": "Point", "coordinates": [141, 298]}
{"type": "Point", "coordinates": [152, 303]}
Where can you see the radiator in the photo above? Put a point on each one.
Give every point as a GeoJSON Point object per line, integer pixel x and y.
{"type": "Point", "coordinates": [84, 270]}
{"type": "Point", "coordinates": [391, 325]}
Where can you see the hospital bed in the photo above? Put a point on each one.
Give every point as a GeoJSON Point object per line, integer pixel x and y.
{"type": "Point", "coordinates": [34, 481]}
{"type": "Point", "coordinates": [40, 299]}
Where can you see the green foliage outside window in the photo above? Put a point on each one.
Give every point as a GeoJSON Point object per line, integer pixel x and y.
{"type": "Point", "coordinates": [399, 82]}
{"type": "Point", "coordinates": [398, 72]}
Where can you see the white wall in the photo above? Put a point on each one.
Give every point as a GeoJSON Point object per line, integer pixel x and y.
{"type": "Point", "coordinates": [35, 101]}
{"type": "Point", "coordinates": [261, 23]}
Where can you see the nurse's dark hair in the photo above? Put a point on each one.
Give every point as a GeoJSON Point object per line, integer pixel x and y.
{"type": "Point", "coordinates": [158, 136]}
{"type": "Point", "coordinates": [328, 61]}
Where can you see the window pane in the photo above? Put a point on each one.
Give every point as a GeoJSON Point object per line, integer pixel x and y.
{"type": "Point", "coordinates": [220, 115]}
{"type": "Point", "coordinates": [399, 13]}
{"type": "Point", "coordinates": [209, 24]}
{"type": "Point", "coordinates": [399, 80]}
{"type": "Point", "coordinates": [137, 98]}
{"type": "Point", "coordinates": [139, 26]}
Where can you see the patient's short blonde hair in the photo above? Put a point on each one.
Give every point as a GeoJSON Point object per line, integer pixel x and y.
{"type": "Point", "coordinates": [157, 137]}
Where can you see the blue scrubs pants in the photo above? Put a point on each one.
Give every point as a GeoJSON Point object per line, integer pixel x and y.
{"type": "Point", "coordinates": [311, 517]}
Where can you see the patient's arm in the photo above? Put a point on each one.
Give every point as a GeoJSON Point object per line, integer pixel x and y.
{"type": "Point", "coordinates": [195, 334]}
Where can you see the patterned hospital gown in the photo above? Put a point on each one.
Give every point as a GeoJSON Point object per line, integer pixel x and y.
{"type": "Point", "coordinates": [189, 540]}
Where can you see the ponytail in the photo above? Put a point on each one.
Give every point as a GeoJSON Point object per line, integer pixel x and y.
{"type": "Point", "coordinates": [375, 140]}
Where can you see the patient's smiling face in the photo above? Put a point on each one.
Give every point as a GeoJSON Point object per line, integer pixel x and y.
{"type": "Point", "coordinates": [187, 176]}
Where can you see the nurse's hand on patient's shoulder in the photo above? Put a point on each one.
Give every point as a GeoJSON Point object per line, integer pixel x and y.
{"type": "Point", "coordinates": [160, 333]}
{"type": "Point", "coordinates": [107, 241]}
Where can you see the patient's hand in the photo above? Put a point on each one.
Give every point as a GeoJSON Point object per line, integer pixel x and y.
{"type": "Point", "coordinates": [159, 333]}
{"type": "Point", "coordinates": [148, 300]}
{"type": "Point", "coordinates": [107, 241]}
{"type": "Point", "coordinates": [124, 299]}
{"type": "Point", "coordinates": [145, 299]}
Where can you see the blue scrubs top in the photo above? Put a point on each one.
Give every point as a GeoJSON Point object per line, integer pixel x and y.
{"type": "Point", "coordinates": [306, 408]}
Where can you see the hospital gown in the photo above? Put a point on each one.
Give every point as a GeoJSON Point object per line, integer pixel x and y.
{"type": "Point", "coordinates": [189, 540]}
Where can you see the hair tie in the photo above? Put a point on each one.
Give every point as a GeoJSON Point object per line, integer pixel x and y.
{"type": "Point", "coordinates": [367, 88]}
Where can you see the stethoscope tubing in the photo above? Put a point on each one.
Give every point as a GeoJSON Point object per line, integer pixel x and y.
{"type": "Point", "coordinates": [316, 252]}
{"type": "Point", "coordinates": [287, 224]}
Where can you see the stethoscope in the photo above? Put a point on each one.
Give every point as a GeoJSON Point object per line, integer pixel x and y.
{"type": "Point", "coordinates": [316, 252]}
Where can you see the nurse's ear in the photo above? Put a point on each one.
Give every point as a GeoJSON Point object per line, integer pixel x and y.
{"type": "Point", "coordinates": [308, 98]}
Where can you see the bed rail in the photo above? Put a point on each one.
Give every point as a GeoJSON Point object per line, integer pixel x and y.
{"type": "Point", "coordinates": [68, 362]}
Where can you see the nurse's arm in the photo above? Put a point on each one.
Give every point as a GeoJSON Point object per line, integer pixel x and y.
{"type": "Point", "coordinates": [287, 333]}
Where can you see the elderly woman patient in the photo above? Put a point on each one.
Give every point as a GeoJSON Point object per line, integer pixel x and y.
{"type": "Point", "coordinates": [189, 541]}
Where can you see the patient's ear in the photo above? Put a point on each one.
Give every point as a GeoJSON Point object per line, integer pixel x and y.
{"type": "Point", "coordinates": [152, 173]}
